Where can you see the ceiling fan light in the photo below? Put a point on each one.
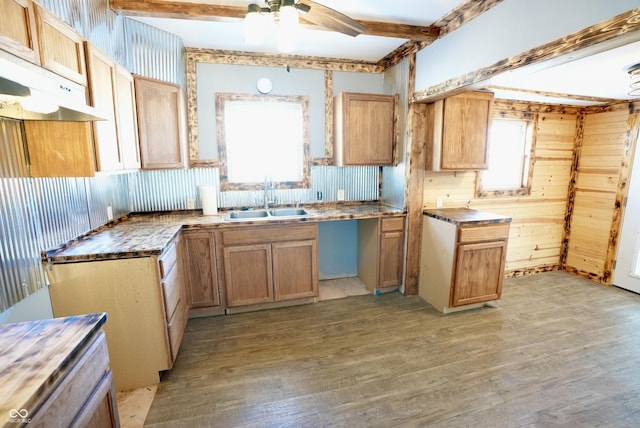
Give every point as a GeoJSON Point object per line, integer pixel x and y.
{"type": "Point", "coordinates": [288, 19]}
{"type": "Point", "coordinates": [254, 26]}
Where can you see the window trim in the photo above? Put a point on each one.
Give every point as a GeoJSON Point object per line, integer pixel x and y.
{"type": "Point", "coordinates": [532, 129]}
{"type": "Point", "coordinates": [221, 99]}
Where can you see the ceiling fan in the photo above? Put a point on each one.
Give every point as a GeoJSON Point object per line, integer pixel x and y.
{"type": "Point", "coordinates": [284, 11]}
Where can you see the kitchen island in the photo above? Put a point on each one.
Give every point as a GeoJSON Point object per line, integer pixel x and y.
{"type": "Point", "coordinates": [462, 258]}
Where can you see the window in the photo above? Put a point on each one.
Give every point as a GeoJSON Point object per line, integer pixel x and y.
{"type": "Point", "coordinates": [509, 157]}
{"type": "Point", "coordinates": [263, 137]}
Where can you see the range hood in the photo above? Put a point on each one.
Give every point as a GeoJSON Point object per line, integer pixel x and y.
{"type": "Point", "coordinates": [28, 92]}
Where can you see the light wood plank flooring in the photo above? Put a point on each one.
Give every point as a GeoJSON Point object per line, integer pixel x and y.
{"type": "Point", "coordinates": [557, 351]}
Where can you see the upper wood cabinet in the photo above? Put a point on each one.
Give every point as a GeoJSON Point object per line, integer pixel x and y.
{"type": "Point", "coordinates": [61, 48]}
{"type": "Point", "coordinates": [111, 90]}
{"type": "Point", "coordinates": [365, 128]}
{"type": "Point", "coordinates": [101, 96]}
{"type": "Point", "coordinates": [161, 113]}
{"type": "Point", "coordinates": [18, 33]}
{"type": "Point", "coordinates": [126, 118]}
{"type": "Point", "coordinates": [457, 132]}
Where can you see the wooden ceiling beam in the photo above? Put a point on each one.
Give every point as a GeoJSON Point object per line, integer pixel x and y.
{"type": "Point", "coordinates": [213, 12]}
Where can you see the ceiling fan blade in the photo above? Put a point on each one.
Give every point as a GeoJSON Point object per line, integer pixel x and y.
{"type": "Point", "coordinates": [331, 19]}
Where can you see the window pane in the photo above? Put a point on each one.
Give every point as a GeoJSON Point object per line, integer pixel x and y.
{"type": "Point", "coordinates": [264, 139]}
{"type": "Point", "coordinates": [508, 149]}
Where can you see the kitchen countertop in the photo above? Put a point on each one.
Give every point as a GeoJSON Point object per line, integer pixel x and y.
{"type": "Point", "coordinates": [148, 234]}
{"type": "Point", "coordinates": [464, 216]}
{"type": "Point", "coordinates": [33, 356]}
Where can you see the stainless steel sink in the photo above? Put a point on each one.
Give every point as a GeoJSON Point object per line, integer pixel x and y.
{"type": "Point", "coordinates": [265, 214]}
{"type": "Point", "coordinates": [245, 215]}
{"type": "Point", "coordinates": [289, 212]}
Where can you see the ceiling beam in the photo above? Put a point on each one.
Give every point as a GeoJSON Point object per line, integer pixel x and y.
{"type": "Point", "coordinates": [213, 12]}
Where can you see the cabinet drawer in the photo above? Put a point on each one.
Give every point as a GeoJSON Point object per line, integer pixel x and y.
{"type": "Point", "coordinates": [483, 233]}
{"type": "Point", "coordinates": [395, 223]}
{"type": "Point", "coordinates": [67, 400]}
{"type": "Point", "coordinates": [171, 292]}
{"type": "Point", "coordinates": [176, 328]}
{"type": "Point", "coordinates": [168, 260]}
{"type": "Point", "coordinates": [261, 234]}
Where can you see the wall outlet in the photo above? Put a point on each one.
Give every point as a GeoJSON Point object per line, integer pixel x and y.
{"type": "Point", "coordinates": [191, 203]}
{"type": "Point", "coordinates": [109, 212]}
{"type": "Point", "coordinates": [341, 194]}
{"type": "Point", "coordinates": [439, 202]}
{"type": "Point", "coordinates": [319, 195]}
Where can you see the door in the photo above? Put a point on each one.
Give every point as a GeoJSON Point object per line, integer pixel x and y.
{"type": "Point", "coordinates": [627, 269]}
{"type": "Point", "coordinates": [479, 269]}
{"type": "Point", "coordinates": [248, 274]}
{"type": "Point", "coordinates": [294, 270]}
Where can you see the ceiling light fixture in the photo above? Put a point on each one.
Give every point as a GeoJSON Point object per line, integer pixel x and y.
{"type": "Point", "coordinates": [282, 14]}
{"type": "Point", "coordinates": [634, 74]}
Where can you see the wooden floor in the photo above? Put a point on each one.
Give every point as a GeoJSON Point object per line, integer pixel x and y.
{"type": "Point", "coordinates": [557, 351]}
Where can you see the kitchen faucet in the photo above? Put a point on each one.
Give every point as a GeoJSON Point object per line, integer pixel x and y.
{"type": "Point", "coordinates": [268, 185]}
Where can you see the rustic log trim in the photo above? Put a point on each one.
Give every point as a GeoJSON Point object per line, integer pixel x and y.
{"type": "Point", "coordinates": [626, 24]}
{"type": "Point", "coordinates": [192, 115]}
{"type": "Point", "coordinates": [524, 108]}
{"type": "Point", "coordinates": [399, 54]}
{"type": "Point", "coordinates": [573, 179]}
{"type": "Point", "coordinates": [276, 60]}
{"type": "Point", "coordinates": [621, 194]}
{"type": "Point", "coordinates": [618, 106]}
{"type": "Point", "coordinates": [555, 94]}
{"type": "Point", "coordinates": [414, 182]}
{"type": "Point", "coordinates": [328, 121]}
{"type": "Point", "coordinates": [464, 13]}
{"type": "Point", "coordinates": [532, 271]}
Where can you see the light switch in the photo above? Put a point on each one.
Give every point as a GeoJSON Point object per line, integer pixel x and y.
{"type": "Point", "coordinates": [341, 194]}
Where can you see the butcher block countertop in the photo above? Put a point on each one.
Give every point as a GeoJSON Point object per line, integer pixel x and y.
{"type": "Point", "coordinates": [34, 356]}
{"type": "Point", "coordinates": [465, 216]}
{"type": "Point", "coordinates": [148, 234]}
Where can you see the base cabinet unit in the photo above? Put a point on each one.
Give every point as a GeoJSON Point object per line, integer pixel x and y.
{"type": "Point", "coordinates": [462, 265]}
{"type": "Point", "coordinates": [144, 301]}
{"type": "Point", "coordinates": [266, 264]}
{"type": "Point", "coordinates": [457, 132]}
{"type": "Point", "coordinates": [59, 376]}
{"type": "Point", "coordinates": [381, 253]}
{"type": "Point", "coordinates": [200, 271]}
{"type": "Point", "coordinates": [365, 128]}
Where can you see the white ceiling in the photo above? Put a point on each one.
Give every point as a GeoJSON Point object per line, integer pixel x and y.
{"type": "Point", "coordinates": [599, 75]}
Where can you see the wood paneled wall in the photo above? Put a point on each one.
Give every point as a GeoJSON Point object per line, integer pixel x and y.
{"type": "Point", "coordinates": [600, 177]}
{"type": "Point", "coordinates": [537, 229]}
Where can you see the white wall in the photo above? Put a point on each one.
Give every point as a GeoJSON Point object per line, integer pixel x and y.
{"type": "Point", "coordinates": [508, 29]}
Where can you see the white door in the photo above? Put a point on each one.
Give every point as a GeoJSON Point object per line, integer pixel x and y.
{"type": "Point", "coordinates": [627, 271]}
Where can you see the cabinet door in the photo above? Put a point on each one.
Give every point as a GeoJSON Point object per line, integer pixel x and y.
{"type": "Point", "coordinates": [479, 270]}
{"type": "Point", "coordinates": [160, 109]}
{"type": "Point", "coordinates": [126, 120]}
{"type": "Point", "coordinates": [391, 251]}
{"type": "Point", "coordinates": [465, 128]}
{"type": "Point", "coordinates": [61, 49]}
{"type": "Point", "coordinates": [248, 274]}
{"type": "Point", "coordinates": [365, 133]}
{"type": "Point", "coordinates": [294, 270]}
{"type": "Point", "coordinates": [201, 271]}
{"type": "Point", "coordinates": [18, 29]}
{"type": "Point", "coordinates": [101, 93]}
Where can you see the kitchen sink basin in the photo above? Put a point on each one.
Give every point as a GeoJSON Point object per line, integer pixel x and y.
{"type": "Point", "coordinates": [246, 215]}
{"type": "Point", "coordinates": [265, 214]}
{"type": "Point", "coordinates": [289, 212]}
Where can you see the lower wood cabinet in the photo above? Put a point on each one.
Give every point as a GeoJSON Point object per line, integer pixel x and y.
{"type": "Point", "coordinates": [264, 264]}
{"type": "Point", "coordinates": [144, 299]}
{"type": "Point", "coordinates": [462, 266]}
{"type": "Point", "coordinates": [381, 252]}
{"type": "Point", "coordinates": [201, 272]}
